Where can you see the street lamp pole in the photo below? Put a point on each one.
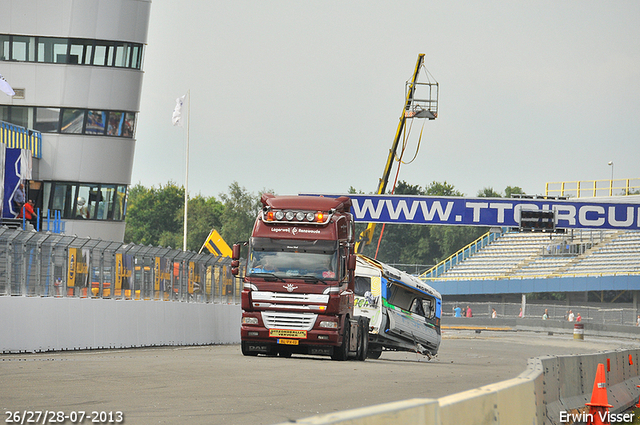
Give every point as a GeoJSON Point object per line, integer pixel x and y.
{"type": "Point", "coordinates": [611, 182]}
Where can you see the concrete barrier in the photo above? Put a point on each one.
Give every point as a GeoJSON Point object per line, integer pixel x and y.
{"type": "Point", "coordinates": [35, 324]}
{"type": "Point", "coordinates": [549, 386]}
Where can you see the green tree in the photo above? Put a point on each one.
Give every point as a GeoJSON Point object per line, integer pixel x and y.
{"type": "Point", "coordinates": [488, 192]}
{"type": "Point", "coordinates": [512, 190]}
{"type": "Point", "coordinates": [155, 216]}
{"type": "Point", "coordinates": [153, 213]}
{"type": "Point", "coordinates": [204, 214]}
{"type": "Point", "coordinates": [441, 189]}
{"type": "Point", "coordinates": [240, 211]}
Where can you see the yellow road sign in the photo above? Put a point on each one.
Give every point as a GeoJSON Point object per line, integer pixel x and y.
{"type": "Point", "coordinates": [216, 245]}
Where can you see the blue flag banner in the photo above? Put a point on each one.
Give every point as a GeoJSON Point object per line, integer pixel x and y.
{"type": "Point", "coordinates": [621, 213]}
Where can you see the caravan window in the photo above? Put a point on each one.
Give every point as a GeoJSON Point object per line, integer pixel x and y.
{"type": "Point", "coordinates": [415, 302]}
{"type": "Point", "coordinates": [363, 285]}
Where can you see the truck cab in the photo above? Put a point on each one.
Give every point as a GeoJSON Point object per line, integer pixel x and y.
{"type": "Point", "coordinates": [298, 287]}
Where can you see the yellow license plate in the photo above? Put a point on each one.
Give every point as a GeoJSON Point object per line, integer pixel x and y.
{"type": "Point", "coordinates": [287, 333]}
{"type": "Point", "coordinates": [287, 341]}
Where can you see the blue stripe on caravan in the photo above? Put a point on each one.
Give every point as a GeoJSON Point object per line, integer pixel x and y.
{"type": "Point", "coordinates": [213, 248]}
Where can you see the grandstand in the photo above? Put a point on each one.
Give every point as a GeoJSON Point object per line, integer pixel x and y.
{"type": "Point", "coordinates": [516, 255]}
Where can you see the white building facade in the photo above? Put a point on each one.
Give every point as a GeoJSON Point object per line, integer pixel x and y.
{"type": "Point", "coordinates": [76, 68]}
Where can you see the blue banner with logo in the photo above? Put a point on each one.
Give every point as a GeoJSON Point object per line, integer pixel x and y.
{"type": "Point", "coordinates": [622, 213]}
{"type": "Point", "coordinates": [12, 180]}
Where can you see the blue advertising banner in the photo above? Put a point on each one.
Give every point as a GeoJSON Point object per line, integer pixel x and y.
{"type": "Point", "coordinates": [622, 213]}
{"type": "Point", "coordinates": [12, 179]}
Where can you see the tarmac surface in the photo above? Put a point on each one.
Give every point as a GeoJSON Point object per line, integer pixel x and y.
{"type": "Point", "coordinates": [218, 385]}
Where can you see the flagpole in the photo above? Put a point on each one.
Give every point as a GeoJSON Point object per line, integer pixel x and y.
{"type": "Point", "coordinates": [186, 180]}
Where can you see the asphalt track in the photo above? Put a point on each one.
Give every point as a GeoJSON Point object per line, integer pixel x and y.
{"type": "Point", "coordinates": [217, 385]}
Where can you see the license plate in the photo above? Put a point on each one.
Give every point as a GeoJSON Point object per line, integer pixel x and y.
{"type": "Point", "coordinates": [287, 333]}
{"type": "Point", "coordinates": [287, 341]}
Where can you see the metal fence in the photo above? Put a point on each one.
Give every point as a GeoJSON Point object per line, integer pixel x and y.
{"type": "Point", "coordinates": [54, 265]}
{"type": "Point", "coordinates": [603, 314]}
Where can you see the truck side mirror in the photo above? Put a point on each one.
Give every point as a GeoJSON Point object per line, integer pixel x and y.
{"type": "Point", "coordinates": [235, 252]}
{"type": "Point", "coordinates": [351, 265]}
{"type": "Point", "coordinates": [235, 259]}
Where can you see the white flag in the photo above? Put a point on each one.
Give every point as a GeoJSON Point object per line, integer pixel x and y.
{"type": "Point", "coordinates": [6, 87]}
{"type": "Point", "coordinates": [176, 118]}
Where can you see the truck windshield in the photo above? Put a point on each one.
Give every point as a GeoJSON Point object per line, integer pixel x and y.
{"type": "Point", "coordinates": [292, 258]}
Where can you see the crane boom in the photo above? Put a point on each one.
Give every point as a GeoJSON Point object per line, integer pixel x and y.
{"type": "Point", "coordinates": [367, 235]}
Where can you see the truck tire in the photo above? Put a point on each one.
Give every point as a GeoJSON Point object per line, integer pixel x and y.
{"type": "Point", "coordinates": [341, 353]}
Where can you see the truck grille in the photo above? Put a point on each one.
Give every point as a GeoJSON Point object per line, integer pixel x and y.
{"type": "Point", "coordinates": [283, 296]}
{"type": "Point", "coordinates": [281, 320]}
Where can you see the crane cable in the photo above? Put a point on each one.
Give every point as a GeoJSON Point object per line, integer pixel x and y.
{"type": "Point", "coordinates": [404, 144]}
{"type": "Point", "coordinates": [393, 188]}
{"type": "Point", "coordinates": [400, 161]}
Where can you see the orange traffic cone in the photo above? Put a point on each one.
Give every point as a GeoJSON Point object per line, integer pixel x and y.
{"type": "Point", "coordinates": [599, 404]}
{"type": "Point", "coordinates": [638, 405]}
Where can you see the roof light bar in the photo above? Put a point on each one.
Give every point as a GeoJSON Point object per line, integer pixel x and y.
{"type": "Point", "coordinates": [293, 216]}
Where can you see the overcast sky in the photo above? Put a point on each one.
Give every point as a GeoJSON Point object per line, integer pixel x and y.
{"type": "Point", "coordinates": [305, 96]}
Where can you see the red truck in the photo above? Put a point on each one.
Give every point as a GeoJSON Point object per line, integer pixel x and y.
{"type": "Point", "coordinates": [298, 287]}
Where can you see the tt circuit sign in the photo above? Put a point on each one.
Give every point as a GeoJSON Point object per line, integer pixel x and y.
{"type": "Point", "coordinates": [621, 213]}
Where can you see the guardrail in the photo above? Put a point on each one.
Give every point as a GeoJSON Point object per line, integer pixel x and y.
{"type": "Point", "coordinates": [593, 188]}
{"type": "Point", "coordinates": [15, 136]}
{"type": "Point", "coordinates": [459, 256]}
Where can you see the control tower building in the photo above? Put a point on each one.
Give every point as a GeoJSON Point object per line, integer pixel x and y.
{"type": "Point", "coordinates": [76, 68]}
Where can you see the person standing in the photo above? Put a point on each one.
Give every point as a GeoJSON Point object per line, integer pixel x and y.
{"type": "Point", "coordinates": [457, 311]}
{"type": "Point", "coordinates": [29, 213]}
{"type": "Point", "coordinates": [469, 314]}
{"type": "Point", "coordinates": [545, 316]}
{"type": "Point", "coordinates": [18, 199]}
{"type": "Point", "coordinates": [571, 316]}
{"type": "Point", "coordinates": [494, 314]}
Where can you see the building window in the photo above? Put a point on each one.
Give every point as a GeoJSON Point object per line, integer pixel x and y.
{"type": "Point", "coordinates": [129, 124]}
{"type": "Point", "coordinates": [23, 49]}
{"type": "Point", "coordinates": [86, 201]}
{"type": "Point", "coordinates": [5, 43]}
{"type": "Point", "coordinates": [73, 51]}
{"type": "Point", "coordinates": [47, 120]}
{"type": "Point", "coordinates": [116, 122]}
{"type": "Point", "coordinates": [95, 122]}
{"type": "Point", "coordinates": [70, 120]}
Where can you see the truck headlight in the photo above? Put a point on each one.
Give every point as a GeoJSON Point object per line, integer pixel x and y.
{"type": "Point", "coordinates": [249, 320]}
{"type": "Point", "coordinates": [329, 324]}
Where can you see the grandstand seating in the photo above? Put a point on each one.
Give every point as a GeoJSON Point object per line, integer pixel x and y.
{"type": "Point", "coordinates": [538, 255]}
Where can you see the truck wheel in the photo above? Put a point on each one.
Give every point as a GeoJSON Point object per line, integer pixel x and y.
{"type": "Point", "coordinates": [341, 352]}
{"type": "Point", "coordinates": [245, 350]}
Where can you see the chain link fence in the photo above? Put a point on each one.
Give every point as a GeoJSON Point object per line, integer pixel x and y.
{"type": "Point", "coordinates": [54, 265]}
{"type": "Point", "coordinates": [603, 314]}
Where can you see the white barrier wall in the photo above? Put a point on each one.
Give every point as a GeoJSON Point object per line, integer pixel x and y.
{"type": "Point", "coordinates": [33, 324]}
